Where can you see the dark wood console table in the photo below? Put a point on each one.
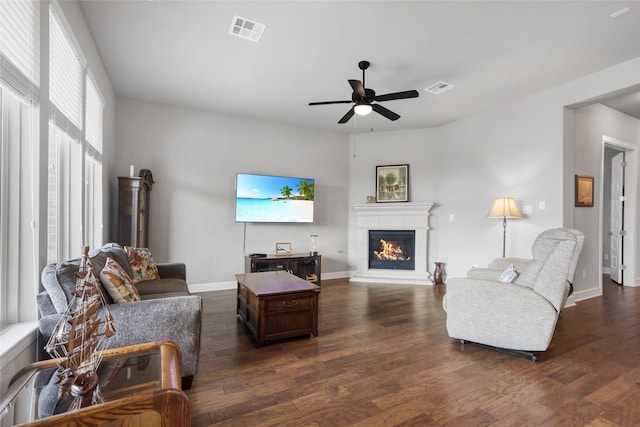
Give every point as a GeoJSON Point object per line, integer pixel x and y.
{"type": "Point", "coordinates": [302, 265]}
{"type": "Point", "coordinates": [277, 304]}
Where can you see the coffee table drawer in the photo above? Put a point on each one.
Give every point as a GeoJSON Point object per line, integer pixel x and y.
{"type": "Point", "coordinates": [289, 302]}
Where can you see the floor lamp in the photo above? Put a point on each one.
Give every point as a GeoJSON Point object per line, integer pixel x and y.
{"type": "Point", "coordinates": [504, 208]}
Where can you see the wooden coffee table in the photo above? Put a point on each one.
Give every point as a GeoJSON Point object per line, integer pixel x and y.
{"type": "Point", "coordinates": [277, 304]}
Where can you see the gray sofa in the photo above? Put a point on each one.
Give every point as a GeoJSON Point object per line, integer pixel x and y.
{"type": "Point", "coordinates": [521, 315]}
{"type": "Point", "coordinates": [167, 311]}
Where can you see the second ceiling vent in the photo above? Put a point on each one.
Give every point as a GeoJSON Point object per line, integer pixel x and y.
{"type": "Point", "coordinates": [246, 29]}
{"type": "Point", "coordinates": [440, 87]}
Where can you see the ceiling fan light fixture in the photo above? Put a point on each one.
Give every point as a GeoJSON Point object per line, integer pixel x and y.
{"type": "Point", "coordinates": [362, 109]}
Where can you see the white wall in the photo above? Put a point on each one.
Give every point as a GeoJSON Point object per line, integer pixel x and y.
{"type": "Point", "coordinates": [513, 151]}
{"type": "Point", "coordinates": [195, 155]}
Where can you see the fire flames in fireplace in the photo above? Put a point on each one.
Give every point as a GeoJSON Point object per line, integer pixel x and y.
{"type": "Point", "coordinates": [390, 251]}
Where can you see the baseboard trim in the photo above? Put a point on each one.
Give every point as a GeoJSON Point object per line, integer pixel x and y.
{"type": "Point", "coordinates": [225, 286]}
{"type": "Point", "coordinates": [336, 275]}
{"type": "Point", "coordinates": [214, 286]}
{"type": "Point", "coordinates": [570, 302]}
{"type": "Point", "coordinates": [586, 294]}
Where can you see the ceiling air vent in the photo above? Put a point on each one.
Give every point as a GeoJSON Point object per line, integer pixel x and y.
{"type": "Point", "coordinates": [620, 12]}
{"type": "Point", "coordinates": [246, 29]}
{"type": "Point", "coordinates": [440, 87]}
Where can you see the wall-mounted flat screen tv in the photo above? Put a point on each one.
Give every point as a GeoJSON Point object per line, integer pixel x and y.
{"type": "Point", "coordinates": [267, 198]}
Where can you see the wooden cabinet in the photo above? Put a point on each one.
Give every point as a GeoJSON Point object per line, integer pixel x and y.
{"type": "Point", "coordinates": [133, 209]}
{"type": "Point", "coordinates": [302, 265]}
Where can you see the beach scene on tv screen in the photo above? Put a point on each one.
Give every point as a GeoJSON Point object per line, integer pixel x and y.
{"type": "Point", "coordinates": [263, 198]}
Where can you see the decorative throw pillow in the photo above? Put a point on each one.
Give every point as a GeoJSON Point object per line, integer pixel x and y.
{"type": "Point", "coordinates": [142, 264]}
{"type": "Point", "coordinates": [509, 275]}
{"type": "Point", "coordinates": [118, 283]}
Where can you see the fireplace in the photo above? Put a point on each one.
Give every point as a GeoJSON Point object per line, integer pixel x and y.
{"type": "Point", "coordinates": [392, 249]}
{"type": "Point", "coordinates": [410, 217]}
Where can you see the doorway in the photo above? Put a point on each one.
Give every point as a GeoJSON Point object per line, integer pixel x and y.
{"type": "Point", "coordinates": [618, 237]}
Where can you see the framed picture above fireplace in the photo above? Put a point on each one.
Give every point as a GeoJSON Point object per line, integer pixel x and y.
{"type": "Point", "coordinates": [392, 183]}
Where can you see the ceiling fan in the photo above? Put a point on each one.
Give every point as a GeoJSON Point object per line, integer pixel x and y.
{"type": "Point", "coordinates": [364, 98]}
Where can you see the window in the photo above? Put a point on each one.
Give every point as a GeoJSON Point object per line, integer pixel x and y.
{"type": "Point", "coordinates": [93, 164]}
{"type": "Point", "coordinates": [19, 50]}
{"type": "Point", "coordinates": [19, 35]}
{"type": "Point", "coordinates": [72, 146]}
{"type": "Point", "coordinates": [93, 117]}
{"type": "Point", "coordinates": [64, 233]}
{"type": "Point", "coordinates": [74, 205]}
{"type": "Point", "coordinates": [93, 183]}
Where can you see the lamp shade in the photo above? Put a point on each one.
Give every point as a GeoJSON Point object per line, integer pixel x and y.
{"type": "Point", "coordinates": [362, 109]}
{"type": "Point", "coordinates": [504, 208]}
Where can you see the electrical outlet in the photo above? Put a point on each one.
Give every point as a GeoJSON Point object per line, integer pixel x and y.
{"type": "Point", "coordinates": [542, 205]}
{"type": "Point", "coordinates": [584, 273]}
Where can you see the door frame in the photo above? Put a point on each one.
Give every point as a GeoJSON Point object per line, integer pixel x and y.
{"type": "Point", "coordinates": [630, 209]}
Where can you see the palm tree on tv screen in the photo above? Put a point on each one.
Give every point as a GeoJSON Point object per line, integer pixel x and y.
{"type": "Point", "coordinates": [305, 189]}
{"type": "Point", "coordinates": [286, 192]}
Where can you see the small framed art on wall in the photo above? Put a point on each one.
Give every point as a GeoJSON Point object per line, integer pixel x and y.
{"type": "Point", "coordinates": [584, 191]}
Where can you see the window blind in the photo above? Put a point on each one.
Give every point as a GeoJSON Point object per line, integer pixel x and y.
{"type": "Point", "coordinates": [65, 79]}
{"type": "Point", "coordinates": [19, 46]}
{"type": "Point", "coordinates": [93, 116]}
{"type": "Point", "coordinates": [19, 81]}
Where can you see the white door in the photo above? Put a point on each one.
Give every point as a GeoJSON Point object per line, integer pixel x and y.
{"type": "Point", "coordinates": [617, 217]}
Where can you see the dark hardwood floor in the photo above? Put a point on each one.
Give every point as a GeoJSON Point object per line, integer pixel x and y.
{"type": "Point", "coordinates": [383, 358]}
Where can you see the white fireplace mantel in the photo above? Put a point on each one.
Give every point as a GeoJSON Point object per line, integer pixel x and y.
{"type": "Point", "coordinates": [392, 216]}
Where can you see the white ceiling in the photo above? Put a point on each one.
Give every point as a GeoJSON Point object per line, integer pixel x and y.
{"type": "Point", "coordinates": [180, 53]}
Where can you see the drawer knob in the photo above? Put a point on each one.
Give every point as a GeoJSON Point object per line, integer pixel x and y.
{"type": "Point", "coordinates": [289, 304]}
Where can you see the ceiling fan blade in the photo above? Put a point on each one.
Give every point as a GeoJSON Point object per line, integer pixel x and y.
{"type": "Point", "coordinates": [346, 117]}
{"type": "Point", "coordinates": [330, 102]}
{"type": "Point", "coordinates": [385, 112]}
{"type": "Point", "coordinates": [397, 95]}
{"type": "Point", "coordinates": [358, 87]}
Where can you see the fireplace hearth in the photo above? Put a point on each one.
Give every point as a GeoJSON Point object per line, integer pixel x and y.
{"type": "Point", "coordinates": [392, 249]}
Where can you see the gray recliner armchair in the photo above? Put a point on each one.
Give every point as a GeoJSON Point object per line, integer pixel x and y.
{"type": "Point", "coordinates": [522, 315]}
